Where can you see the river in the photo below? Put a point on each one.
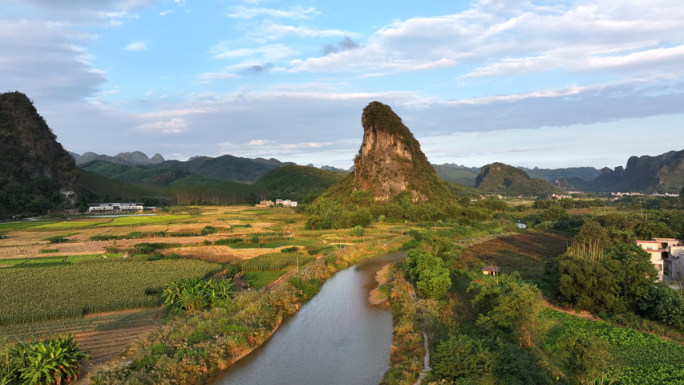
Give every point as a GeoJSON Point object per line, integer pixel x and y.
{"type": "Point", "coordinates": [336, 338]}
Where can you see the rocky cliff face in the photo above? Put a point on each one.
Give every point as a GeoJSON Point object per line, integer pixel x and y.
{"type": "Point", "coordinates": [390, 160]}
{"type": "Point", "coordinates": [662, 173]}
{"type": "Point", "coordinates": [37, 173]}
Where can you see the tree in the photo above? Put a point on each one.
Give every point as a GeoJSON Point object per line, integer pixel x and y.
{"type": "Point", "coordinates": [587, 359]}
{"type": "Point", "coordinates": [554, 213]}
{"type": "Point", "coordinates": [587, 283]}
{"type": "Point", "coordinates": [508, 303]}
{"type": "Point", "coordinates": [357, 231]}
{"type": "Point", "coordinates": [591, 240]}
{"type": "Point", "coordinates": [634, 270]}
{"type": "Point", "coordinates": [428, 272]}
{"type": "Point", "coordinates": [461, 357]}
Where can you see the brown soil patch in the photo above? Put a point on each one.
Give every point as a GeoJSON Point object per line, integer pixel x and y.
{"type": "Point", "coordinates": [525, 253]}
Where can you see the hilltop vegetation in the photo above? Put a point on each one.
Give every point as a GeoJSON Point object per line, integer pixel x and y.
{"type": "Point", "coordinates": [499, 178]}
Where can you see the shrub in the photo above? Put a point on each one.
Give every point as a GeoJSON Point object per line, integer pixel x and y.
{"type": "Point", "coordinates": [196, 294]}
{"type": "Point", "coordinates": [289, 249]}
{"type": "Point", "coordinates": [54, 360]}
{"type": "Point", "coordinates": [228, 241]}
{"type": "Point", "coordinates": [357, 231]}
{"type": "Point", "coordinates": [57, 239]}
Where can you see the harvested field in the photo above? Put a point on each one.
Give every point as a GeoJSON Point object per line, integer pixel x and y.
{"type": "Point", "coordinates": [525, 253]}
{"type": "Point", "coordinates": [103, 345]}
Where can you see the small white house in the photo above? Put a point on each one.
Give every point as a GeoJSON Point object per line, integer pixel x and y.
{"type": "Point", "coordinates": [658, 255]}
{"type": "Point", "coordinates": [286, 203]}
{"type": "Point", "coordinates": [115, 207]}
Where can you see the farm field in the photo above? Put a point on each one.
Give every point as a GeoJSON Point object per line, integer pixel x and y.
{"type": "Point", "coordinates": [42, 294]}
{"type": "Point", "coordinates": [648, 359]}
{"type": "Point", "coordinates": [37, 294]}
{"type": "Point", "coordinates": [525, 253]}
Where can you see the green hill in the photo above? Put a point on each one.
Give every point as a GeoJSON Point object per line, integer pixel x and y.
{"type": "Point", "coordinates": [499, 178]}
{"type": "Point", "coordinates": [145, 174]}
{"type": "Point", "coordinates": [455, 175]}
{"type": "Point", "coordinates": [298, 183]}
{"type": "Point", "coordinates": [226, 168]}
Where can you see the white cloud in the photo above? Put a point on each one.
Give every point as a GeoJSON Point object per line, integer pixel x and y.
{"type": "Point", "coordinates": [243, 12]}
{"type": "Point", "coordinates": [48, 61]}
{"type": "Point", "coordinates": [137, 46]}
{"type": "Point", "coordinates": [210, 76]}
{"type": "Point", "coordinates": [173, 126]}
{"type": "Point", "coordinates": [164, 13]}
{"type": "Point", "coordinates": [259, 142]}
{"type": "Point", "coordinates": [523, 37]}
{"type": "Point", "coordinates": [275, 31]}
{"type": "Point", "coordinates": [268, 52]}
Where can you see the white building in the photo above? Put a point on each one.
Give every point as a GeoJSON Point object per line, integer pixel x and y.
{"type": "Point", "coordinates": [658, 255]}
{"type": "Point", "coordinates": [665, 251]}
{"type": "Point", "coordinates": [286, 203]}
{"type": "Point", "coordinates": [115, 207]}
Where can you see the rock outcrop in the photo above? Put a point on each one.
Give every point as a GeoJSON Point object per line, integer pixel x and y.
{"type": "Point", "coordinates": [390, 161]}
{"type": "Point", "coordinates": [663, 173]}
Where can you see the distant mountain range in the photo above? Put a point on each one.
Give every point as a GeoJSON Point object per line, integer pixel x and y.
{"type": "Point", "coordinates": [651, 174]}
{"type": "Point", "coordinates": [134, 158]}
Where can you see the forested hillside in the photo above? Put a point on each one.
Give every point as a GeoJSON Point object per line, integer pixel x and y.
{"type": "Point", "coordinates": [37, 173]}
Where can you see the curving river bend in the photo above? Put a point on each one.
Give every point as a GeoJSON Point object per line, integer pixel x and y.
{"type": "Point", "coordinates": [336, 338]}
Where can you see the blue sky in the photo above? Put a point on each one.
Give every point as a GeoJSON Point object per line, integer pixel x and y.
{"type": "Point", "coordinates": [529, 83]}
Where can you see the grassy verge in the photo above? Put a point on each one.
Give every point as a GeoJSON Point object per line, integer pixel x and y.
{"type": "Point", "coordinates": [407, 338]}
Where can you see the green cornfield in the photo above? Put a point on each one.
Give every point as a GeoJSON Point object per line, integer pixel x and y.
{"type": "Point", "coordinates": [39, 294]}
{"type": "Point", "coordinates": [275, 261]}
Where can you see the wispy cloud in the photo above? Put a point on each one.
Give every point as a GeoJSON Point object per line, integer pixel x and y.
{"type": "Point", "coordinates": [173, 126]}
{"type": "Point", "coordinates": [218, 76]}
{"type": "Point", "coordinates": [243, 12]}
{"type": "Point", "coordinates": [136, 46]}
{"type": "Point", "coordinates": [164, 13]}
{"type": "Point", "coordinates": [267, 52]}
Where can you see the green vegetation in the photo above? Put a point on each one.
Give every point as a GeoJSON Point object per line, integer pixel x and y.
{"type": "Point", "coordinates": [196, 294]}
{"type": "Point", "coordinates": [357, 231]}
{"type": "Point", "coordinates": [143, 220]}
{"type": "Point", "coordinates": [261, 279]}
{"type": "Point", "coordinates": [499, 178]}
{"type": "Point", "coordinates": [62, 226]}
{"type": "Point", "coordinates": [34, 165]}
{"type": "Point", "coordinates": [428, 272]}
{"type": "Point", "coordinates": [275, 261]}
{"type": "Point", "coordinates": [87, 287]}
{"type": "Point", "coordinates": [54, 360]}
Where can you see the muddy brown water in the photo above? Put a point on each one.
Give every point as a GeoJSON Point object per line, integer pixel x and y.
{"type": "Point", "coordinates": [336, 338]}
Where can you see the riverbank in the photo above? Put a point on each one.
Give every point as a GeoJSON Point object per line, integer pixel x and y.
{"type": "Point", "coordinates": [192, 349]}
{"type": "Point", "coordinates": [408, 347]}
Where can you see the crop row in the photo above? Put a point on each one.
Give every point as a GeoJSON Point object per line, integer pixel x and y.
{"type": "Point", "coordinates": [275, 261]}
{"type": "Point", "coordinates": [29, 295]}
{"type": "Point", "coordinates": [648, 359]}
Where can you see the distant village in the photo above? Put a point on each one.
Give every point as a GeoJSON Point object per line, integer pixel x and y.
{"type": "Point", "coordinates": [278, 203]}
